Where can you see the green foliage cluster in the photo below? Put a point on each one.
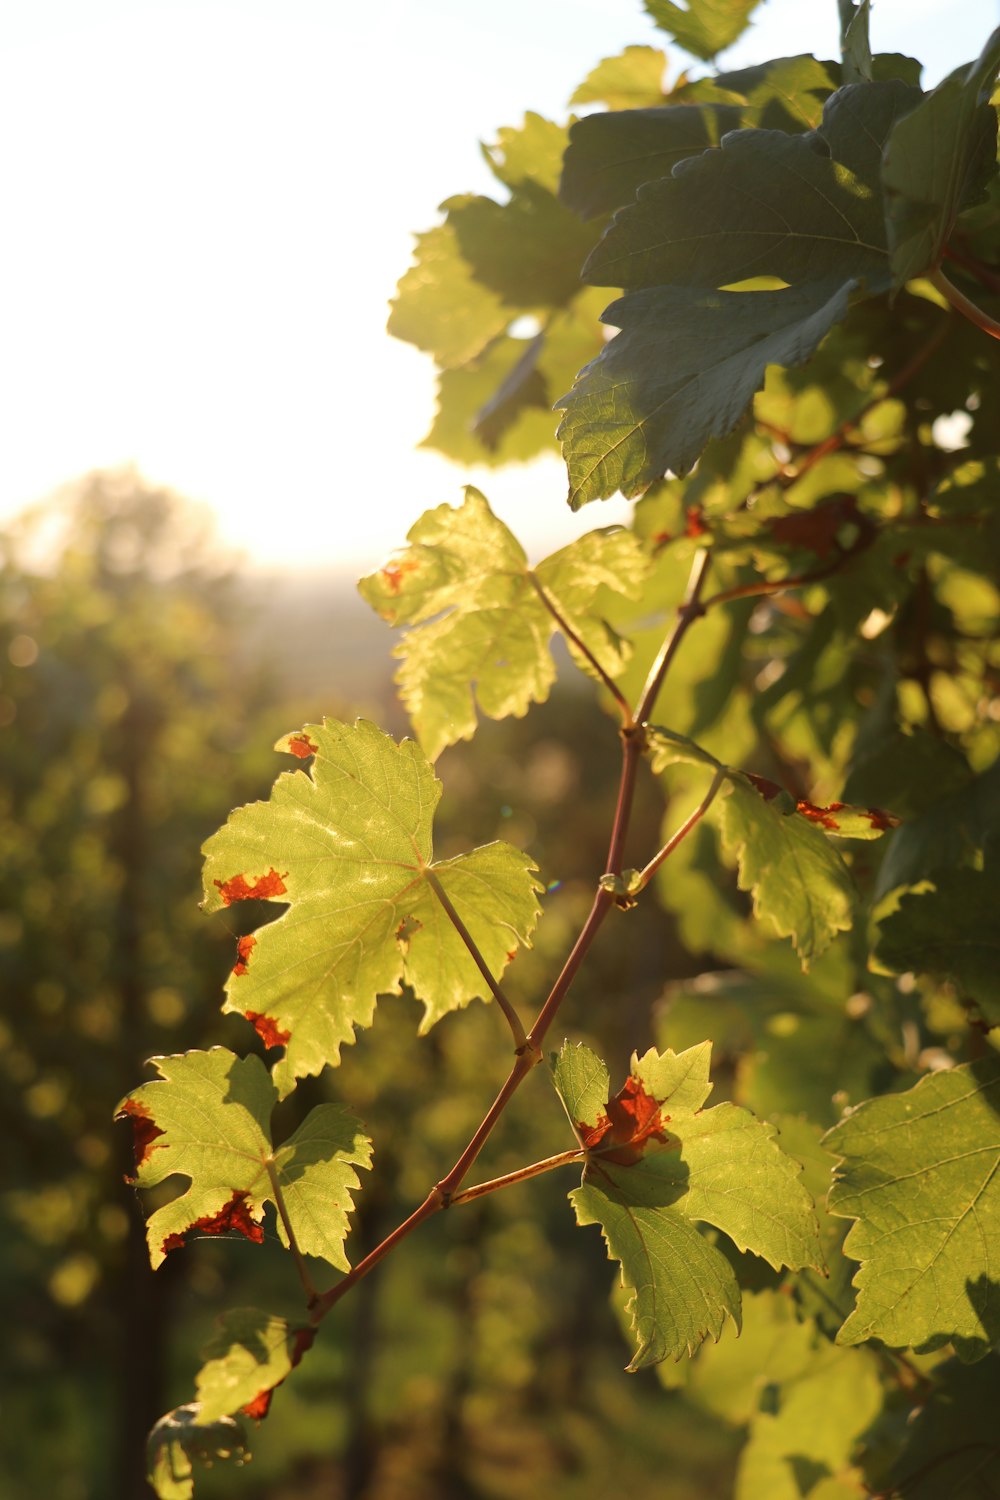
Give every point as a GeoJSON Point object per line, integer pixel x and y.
{"type": "Point", "coordinates": [797, 639]}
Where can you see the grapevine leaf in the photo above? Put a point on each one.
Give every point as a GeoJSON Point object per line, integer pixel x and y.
{"type": "Point", "coordinates": [855, 44]}
{"type": "Point", "coordinates": [441, 307]}
{"type": "Point", "coordinates": [800, 207]}
{"type": "Point", "coordinates": [920, 1175]}
{"type": "Point", "coordinates": [527, 251]}
{"type": "Point", "coordinates": [250, 1354]}
{"type": "Point", "coordinates": [683, 370]}
{"type": "Point", "coordinates": [490, 643]}
{"type": "Point", "coordinates": [702, 27]}
{"type": "Point", "coordinates": [632, 79]}
{"type": "Point", "coordinates": [787, 93]}
{"type": "Point", "coordinates": [657, 1164]}
{"type": "Point", "coordinates": [938, 161]}
{"type": "Point", "coordinates": [178, 1438]}
{"type": "Point", "coordinates": [352, 838]}
{"type": "Point", "coordinates": [799, 883]}
{"type": "Point", "coordinates": [950, 930]}
{"type": "Point", "coordinates": [207, 1118]}
{"type": "Point", "coordinates": [611, 155]}
{"type": "Point", "coordinates": [531, 152]}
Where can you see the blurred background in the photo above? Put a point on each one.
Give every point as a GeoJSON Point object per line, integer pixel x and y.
{"type": "Point", "coordinates": [208, 206]}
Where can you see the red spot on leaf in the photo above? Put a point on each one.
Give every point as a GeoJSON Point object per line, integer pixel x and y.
{"type": "Point", "coordinates": [633, 1117]}
{"type": "Point", "coordinates": [661, 538]}
{"type": "Point", "coordinates": [394, 573]}
{"type": "Point", "coordinates": [261, 889]}
{"type": "Point", "coordinates": [232, 1215]}
{"type": "Point", "coordinates": [824, 816]}
{"type": "Point", "coordinates": [259, 1407]}
{"type": "Point", "coordinates": [244, 948]}
{"type": "Point", "coordinates": [301, 745]}
{"type": "Point", "coordinates": [511, 955]}
{"type": "Point", "coordinates": [144, 1131]}
{"type": "Point", "coordinates": [268, 1029]}
{"type": "Point", "coordinates": [695, 525]}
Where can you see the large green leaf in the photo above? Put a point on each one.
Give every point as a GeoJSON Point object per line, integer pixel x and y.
{"type": "Point", "coordinates": [938, 162]}
{"type": "Point", "coordinates": [441, 307]}
{"type": "Point", "coordinates": [702, 27]}
{"type": "Point", "coordinates": [207, 1118]}
{"type": "Point", "coordinates": [349, 849]}
{"type": "Point", "coordinates": [528, 251]}
{"type": "Point", "coordinates": [657, 1164]}
{"type": "Point", "coordinates": [950, 1450]}
{"type": "Point", "coordinates": [489, 645]}
{"type": "Point", "coordinates": [799, 882]}
{"type": "Point", "coordinates": [921, 1175]}
{"type": "Point", "coordinates": [683, 370]}
{"type": "Point", "coordinates": [798, 207]}
{"type": "Point", "coordinates": [611, 155]}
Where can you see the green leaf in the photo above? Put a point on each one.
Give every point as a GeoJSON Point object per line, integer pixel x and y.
{"type": "Point", "coordinates": [489, 646]}
{"type": "Point", "coordinates": [441, 307]}
{"type": "Point", "coordinates": [938, 161]}
{"type": "Point", "coordinates": [702, 27]}
{"type": "Point", "coordinates": [951, 930]}
{"type": "Point", "coordinates": [632, 79]}
{"type": "Point", "coordinates": [800, 884]}
{"type": "Point", "coordinates": [531, 152]}
{"type": "Point", "coordinates": [854, 43]}
{"type": "Point", "coordinates": [787, 93]}
{"type": "Point", "coordinates": [251, 1352]}
{"type": "Point", "coordinates": [611, 155]}
{"type": "Point", "coordinates": [527, 251]}
{"type": "Point", "coordinates": [682, 371]}
{"type": "Point", "coordinates": [920, 1176]}
{"type": "Point", "coordinates": [800, 207]}
{"type": "Point", "coordinates": [207, 1118]}
{"type": "Point", "coordinates": [657, 1164]}
{"type": "Point", "coordinates": [349, 848]}
{"type": "Point", "coordinates": [178, 1438]}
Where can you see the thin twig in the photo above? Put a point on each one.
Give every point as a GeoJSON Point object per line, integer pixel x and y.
{"type": "Point", "coordinates": [687, 612]}
{"type": "Point", "coordinates": [564, 1159]}
{"type": "Point", "coordinates": [646, 875]}
{"type": "Point", "coordinates": [513, 1019]}
{"type": "Point", "coordinates": [584, 650]}
{"type": "Point", "coordinates": [963, 304]}
{"type": "Point", "coordinates": [300, 1264]}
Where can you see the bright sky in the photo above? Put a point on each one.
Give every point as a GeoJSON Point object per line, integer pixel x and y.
{"type": "Point", "coordinates": [207, 204]}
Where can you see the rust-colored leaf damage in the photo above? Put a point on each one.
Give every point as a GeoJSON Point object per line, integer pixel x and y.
{"type": "Point", "coordinates": [244, 948]}
{"type": "Point", "coordinates": [301, 745]}
{"type": "Point", "coordinates": [144, 1130]}
{"type": "Point", "coordinates": [633, 1118]}
{"type": "Point", "coordinates": [232, 1215]}
{"type": "Point", "coordinates": [239, 888]}
{"type": "Point", "coordinates": [267, 1028]}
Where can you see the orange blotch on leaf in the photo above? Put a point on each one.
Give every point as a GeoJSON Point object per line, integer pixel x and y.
{"type": "Point", "coordinates": [880, 819]}
{"type": "Point", "coordinates": [301, 745]}
{"type": "Point", "coordinates": [695, 525]}
{"type": "Point", "coordinates": [244, 948]}
{"type": "Point", "coordinates": [144, 1131]}
{"type": "Point", "coordinates": [259, 1407]}
{"type": "Point", "coordinates": [232, 1215]}
{"type": "Point", "coordinates": [633, 1118]}
{"type": "Point", "coordinates": [394, 573]}
{"type": "Point", "coordinates": [268, 1029]}
{"type": "Point", "coordinates": [824, 816]}
{"type": "Point", "coordinates": [261, 889]}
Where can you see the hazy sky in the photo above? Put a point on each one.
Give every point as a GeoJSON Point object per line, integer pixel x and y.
{"type": "Point", "coordinates": [207, 204]}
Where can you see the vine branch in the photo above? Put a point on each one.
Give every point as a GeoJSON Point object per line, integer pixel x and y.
{"type": "Point", "coordinates": [963, 304]}
{"type": "Point", "coordinates": [584, 650]}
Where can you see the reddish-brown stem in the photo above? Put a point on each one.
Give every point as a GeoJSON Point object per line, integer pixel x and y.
{"type": "Point", "coordinates": [796, 581]}
{"type": "Point", "coordinates": [297, 1256]}
{"type": "Point", "coordinates": [987, 276]}
{"type": "Point", "coordinates": [963, 304]}
{"type": "Point", "coordinates": [687, 612]}
{"type": "Point", "coordinates": [513, 1019]}
{"type": "Point", "coordinates": [647, 874]}
{"type": "Point", "coordinates": [510, 1179]}
{"type": "Point", "coordinates": [584, 651]}
{"type": "Point", "coordinates": [323, 1304]}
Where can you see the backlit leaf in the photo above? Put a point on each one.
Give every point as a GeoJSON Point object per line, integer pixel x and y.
{"type": "Point", "coordinates": [633, 79]}
{"type": "Point", "coordinates": [920, 1173]}
{"type": "Point", "coordinates": [489, 645]}
{"type": "Point", "coordinates": [938, 162]}
{"type": "Point", "coordinates": [702, 27]}
{"type": "Point", "coordinates": [207, 1118]}
{"type": "Point", "coordinates": [178, 1438]}
{"type": "Point", "coordinates": [351, 841]}
{"type": "Point", "coordinates": [251, 1352]}
{"type": "Point", "coordinates": [657, 1165]}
